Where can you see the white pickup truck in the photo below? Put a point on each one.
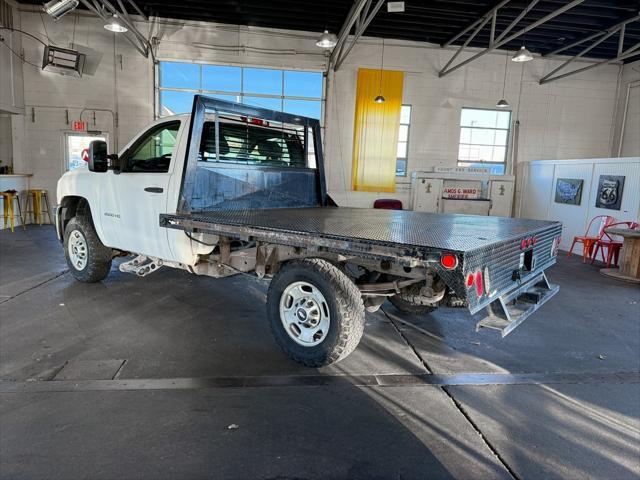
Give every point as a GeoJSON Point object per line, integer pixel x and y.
{"type": "Point", "coordinates": [235, 189]}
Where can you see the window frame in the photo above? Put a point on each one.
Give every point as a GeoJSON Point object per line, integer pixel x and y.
{"type": "Point", "coordinates": [238, 94]}
{"type": "Point", "coordinates": [507, 145]}
{"type": "Point", "coordinates": [406, 157]}
{"type": "Point", "coordinates": [128, 153]}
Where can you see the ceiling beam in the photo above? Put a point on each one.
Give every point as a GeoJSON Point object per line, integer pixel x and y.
{"type": "Point", "coordinates": [630, 52]}
{"type": "Point", "coordinates": [509, 38]}
{"type": "Point", "coordinates": [368, 14]}
{"type": "Point", "coordinates": [484, 19]}
{"type": "Point", "coordinates": [615, 28]}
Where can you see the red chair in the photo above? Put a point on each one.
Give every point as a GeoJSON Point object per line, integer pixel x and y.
{"type": "Point", "coordinates": [388, 204]}
{"type": "Point", "coordinates": [588, 240]}
{"type": "Point", "coordinates": [610, 243]}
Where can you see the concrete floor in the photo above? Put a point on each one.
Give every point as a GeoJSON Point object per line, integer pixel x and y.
{"type": "Point", "coordinates": [141, 378]}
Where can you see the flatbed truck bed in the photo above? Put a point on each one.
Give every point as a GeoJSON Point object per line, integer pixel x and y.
{"type": "Point", "coordinates": [492, 244]}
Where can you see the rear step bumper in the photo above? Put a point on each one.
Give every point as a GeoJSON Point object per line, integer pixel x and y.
{"type": "Point", "coordinates": [510, 310]}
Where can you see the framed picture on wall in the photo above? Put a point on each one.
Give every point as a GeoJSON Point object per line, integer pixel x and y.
{"type": "Point", "coordinates": [569, 191]}
{"type": "Point", "coordinates": [609, 192]}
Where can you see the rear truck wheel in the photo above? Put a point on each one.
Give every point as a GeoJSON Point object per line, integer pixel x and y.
{"type": "Point", "coordinates": [410, 300]}
{"type": "Point", "coordinates": [88, 259]}
{"type": "Point", "coordinates": [315, 312]}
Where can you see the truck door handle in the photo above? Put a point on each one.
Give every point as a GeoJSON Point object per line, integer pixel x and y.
{"type": "Point", "coordinates": [153, 189]}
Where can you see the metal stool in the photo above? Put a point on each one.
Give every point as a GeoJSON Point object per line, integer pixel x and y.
{"type": "Point", "coordinates": [36, 196]}
{"type": "Point", "coordinates": [8, 198]}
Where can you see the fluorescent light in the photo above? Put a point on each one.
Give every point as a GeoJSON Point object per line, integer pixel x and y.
{"type": "Point", "coordinates": [115, 25]}
{"type": "Point", "coordinates": [379, 99]}
{"type": "Point", "coordinates": [395, 7]}
{"type": "Point", "coordinates": [522, 55]}
{"type": "Point", "coordinates": [58, 8]}
{"type": "Point", "coordinates": [502, 103]}
{"type": "Point", "coordinates": [327, 40]}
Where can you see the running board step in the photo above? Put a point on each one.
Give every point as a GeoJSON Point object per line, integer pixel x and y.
{"type": "Point", "coordinates": [141, 265]}
{"type": "Point", "coordinates": [510, 310]}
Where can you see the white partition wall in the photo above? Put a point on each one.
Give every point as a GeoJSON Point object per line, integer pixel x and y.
{"type": "Point", "coordinates": [539, 188]}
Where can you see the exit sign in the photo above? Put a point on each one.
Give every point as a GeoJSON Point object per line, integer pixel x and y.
{"type": "Point", "coordinates": [79, 126]}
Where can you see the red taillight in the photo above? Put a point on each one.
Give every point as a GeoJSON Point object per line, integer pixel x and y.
{"type": "Point", "coordinates": [255, 121]}
{"type": "Point", "coordinates": [470, 280]}
{"type": "Point", "coordinates": [479, 284]}
{"type": "Point", "coordinates": [528, 242]}
{"type": "Point", "coordinates": [449, 261]}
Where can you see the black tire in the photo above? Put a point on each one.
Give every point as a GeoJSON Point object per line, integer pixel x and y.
{"type": "Point", "coordinates": [409, 301]}
{"type": "Point", "coordinates": [98, 257]}
{"type": "Point", "coordinates": [345, 307]}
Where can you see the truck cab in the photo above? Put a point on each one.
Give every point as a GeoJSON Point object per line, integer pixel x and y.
{"type": "Point", "coordinates": [253, 164]}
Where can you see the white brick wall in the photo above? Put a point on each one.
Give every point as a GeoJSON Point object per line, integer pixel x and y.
{"type": "Point", "coordinates": [569, 118]}
{"type": "Point", "coordinates": [627, 143]}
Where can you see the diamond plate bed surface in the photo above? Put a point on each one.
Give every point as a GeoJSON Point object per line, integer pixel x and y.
{"type": "Point", "coordinates": [385, 227]}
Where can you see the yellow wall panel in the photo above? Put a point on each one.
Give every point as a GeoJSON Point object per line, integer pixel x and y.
{"type": "Point", "coordinates": [376, 128]}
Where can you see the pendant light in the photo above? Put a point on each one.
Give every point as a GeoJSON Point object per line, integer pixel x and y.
{"type": "Point", "coordinates": [522, 55]}
{"type": "Point", "coordinates": [502, 103]}
{"type": "Point", "coordinates": [115, 25]}
{"type": "Point", "coordinates": [327, 40]}
{"type": "Point", "coordinates": [380, 98]}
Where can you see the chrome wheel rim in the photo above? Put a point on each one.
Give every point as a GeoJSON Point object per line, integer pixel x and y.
{"type": "Point", "coordinates": [78, 252]}
{"type": "Point", "coordinates": [304, 314]}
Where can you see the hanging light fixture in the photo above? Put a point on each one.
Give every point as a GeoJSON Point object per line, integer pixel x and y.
{"type": "Point", "coordinates": [380, 98]}
{"type": "Point", "coordinates": [522, 55]}
{"type": "Point", "coordinates": [327, 40]}
{"type": "Point", "coordinates": [115, 25]}
{"type": "Point", "coordinates": [502, 103]}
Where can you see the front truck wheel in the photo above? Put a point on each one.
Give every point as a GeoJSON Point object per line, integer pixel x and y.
{"type": "Point", "coordinates": [315, 312]}
{"type": "Point", "coordinates": [88, 259]}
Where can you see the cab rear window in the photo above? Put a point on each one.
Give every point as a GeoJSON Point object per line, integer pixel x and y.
{"type": "Point", "coordinates": [252, 145]}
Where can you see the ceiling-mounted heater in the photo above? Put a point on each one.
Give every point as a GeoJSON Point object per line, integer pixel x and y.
{"type": "Point", "coordinates": [63, 61]}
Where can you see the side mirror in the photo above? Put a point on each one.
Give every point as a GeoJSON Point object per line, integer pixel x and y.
{"type": "Point", "coordinates": [98, 156]}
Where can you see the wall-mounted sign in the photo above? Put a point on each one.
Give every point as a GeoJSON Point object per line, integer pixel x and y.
{"type": "Point", "coordinates": [569, 191]}
{"type": "Point", "coordinates": [473, 170]}
{"type": "Point", "coordinates": [79, 126]}
{"type": "Point", "coordinates": [609, 192]}
{"type": "Point", "coordinates": [461, 189]}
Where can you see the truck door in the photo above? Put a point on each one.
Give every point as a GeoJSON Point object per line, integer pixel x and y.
{"type": "Point", "coordinates": [138, 194]}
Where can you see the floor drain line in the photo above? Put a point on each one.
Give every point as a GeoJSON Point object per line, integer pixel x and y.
{"type": "Point", "coordinates": [485, 440]}
{"type": "Point", "coordinates": [406, 340]}
{"type": "Point", "coordinates": [457, 404]}
{"type": "Point", "coordinates": [7, 298]}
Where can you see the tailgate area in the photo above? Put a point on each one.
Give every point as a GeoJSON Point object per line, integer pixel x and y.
{"type": "Point", "coordinates": [510, 310]}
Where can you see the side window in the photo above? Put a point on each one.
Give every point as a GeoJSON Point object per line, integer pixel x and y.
{"type": "Point", "coordinates": [153, 151]}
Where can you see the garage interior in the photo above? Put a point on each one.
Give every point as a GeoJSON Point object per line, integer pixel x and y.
{"type": "Point", "coordinates": [525, 109]}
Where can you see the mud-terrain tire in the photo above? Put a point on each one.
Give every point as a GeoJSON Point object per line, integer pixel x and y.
{"type": "Point", "coordinates": [87, 258]}
{"type": "Point", "coordinates": [315, 312]}
{"type": "Point", "coordinates": [410, 301]}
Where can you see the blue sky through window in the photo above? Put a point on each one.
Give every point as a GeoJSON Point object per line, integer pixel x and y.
{"type": "Point", "coordinates": [295, 92]}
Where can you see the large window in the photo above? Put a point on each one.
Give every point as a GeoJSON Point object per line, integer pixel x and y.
{"type": "Point", "coordinates": [403, 141]}
{"type": "Point", "coordinates": [484, 136]}
{"type": "Point", "coordinates": [283, 90]}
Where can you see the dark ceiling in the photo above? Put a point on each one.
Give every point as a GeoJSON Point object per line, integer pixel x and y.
{"type": "Point", "coordinates": [433, 21]}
